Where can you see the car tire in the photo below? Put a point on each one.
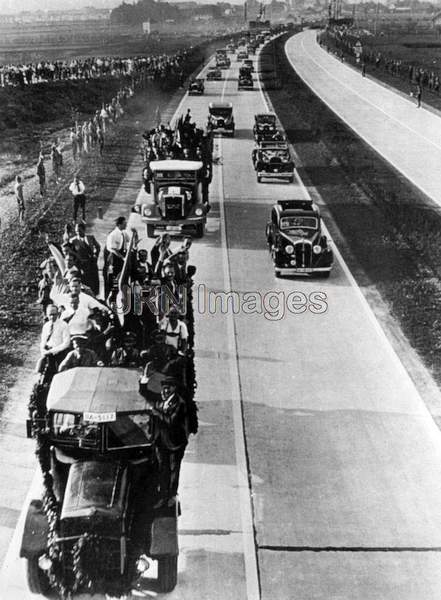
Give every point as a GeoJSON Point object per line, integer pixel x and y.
{"type": "Point", "coordinates": [150, 231]}
{"type": "Point", "coordinates": [324, 274]}
{"type": "Point", "coordinates": [259, 179]}
{"type": "Point", "coordinates": [167, 573]}
{"type": "Point", "coordinates": [291, 179]}
{"type": "Point", "coordinates": [199, 231]}
{"type": "Point", "coordinates": [278, 274]}
{"type": "Point", "coordinates": [38, 581]}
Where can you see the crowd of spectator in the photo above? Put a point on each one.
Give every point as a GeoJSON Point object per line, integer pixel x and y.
{"type": "Point", "coordinates": [342, 40]}
{"type": "Point", "coordinates": [151, 67]}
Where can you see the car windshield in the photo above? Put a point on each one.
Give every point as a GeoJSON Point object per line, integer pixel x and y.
{"type": "Point", "coordinates": [221, 112]}
{"type": "Point", "coordinates": [72, 427]}
{"type": "Point", "coordinates": [278, 154]}
{"type": "Point", "coordinates": [130, 430]}
{"type": "Point", "coordinates": [270, 119]}
{"type": "Point", "coordinates": [298, 223]}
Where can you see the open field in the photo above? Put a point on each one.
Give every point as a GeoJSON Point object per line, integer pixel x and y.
{"type": "Point", "coordinates": [388, 227]}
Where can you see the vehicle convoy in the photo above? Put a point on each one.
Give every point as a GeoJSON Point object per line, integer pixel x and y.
{"type": "Point", "coordinates": [245, 81]}
{"type": "Point", "coordinates": [222, 60]}
{"type": "Point", "coordinates": [178, 197]}
{"type": "Point", "coordinates": [196, 87]}
{"type": "Point", "coordinates": [220, 118]}
{"type": "Point", "coordinates": [265, 126]}
{"type": "Point", "coordinates": [214, 73]}
{"type": "Point", "coordinates": [296, 241]}
{"type": "Point", "coordinates": [272, 160]}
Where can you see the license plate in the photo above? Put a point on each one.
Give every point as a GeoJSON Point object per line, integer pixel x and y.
{"type": "Point", "coordinates": [99, 417]}
{"type": "Point", "coordinates": [276, 170]}
{"type": "Point", "coordinates": [303, 270]}
{"type": "Point", "coordinates": [173, 228]}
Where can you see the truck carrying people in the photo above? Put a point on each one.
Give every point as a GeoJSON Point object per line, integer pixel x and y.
{"type": "Point", "coordinates": [111, 412]}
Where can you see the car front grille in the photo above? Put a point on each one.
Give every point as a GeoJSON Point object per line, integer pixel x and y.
{"type": "Point", "coordinates": [303, 253]}
{"type": "Point", "coordinates": [173, 208]}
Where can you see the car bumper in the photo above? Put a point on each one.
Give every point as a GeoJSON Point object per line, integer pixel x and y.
{"type": "Point", "coordinates": [222, 130]}
{"type": "Point", "coordinates": [276, 175]}
{"type": "Point", "coordinates": [176, 225]}
{"type": "Point", "coordinates": [300, 270]}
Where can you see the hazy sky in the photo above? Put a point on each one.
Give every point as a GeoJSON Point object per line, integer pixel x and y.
{"type": "Point", "coordinates": [13, 6]}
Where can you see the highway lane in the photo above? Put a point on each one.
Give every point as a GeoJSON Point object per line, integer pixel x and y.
{"type": "Point", "coordinates": [341, 451]}
{"type": "Point", "coordinates": [406, 136]}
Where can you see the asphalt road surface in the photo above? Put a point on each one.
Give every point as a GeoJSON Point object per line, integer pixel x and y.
{"type": "Point", "coordinates": [316, 473]}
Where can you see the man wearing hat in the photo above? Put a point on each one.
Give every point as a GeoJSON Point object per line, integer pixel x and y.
{"type": "Point", "coordinates": [80, 356]}
{"type": "Point", "coordinates": [170, 414]}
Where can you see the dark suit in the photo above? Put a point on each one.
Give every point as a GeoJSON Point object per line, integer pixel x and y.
{"type": "Point", "coordinates": [86, 251]}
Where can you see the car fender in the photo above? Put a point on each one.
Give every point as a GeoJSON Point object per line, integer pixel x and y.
{"type": "Point", "coordinates": [164, 537]}
{"type": "Point", "coordinates": [35, 532]}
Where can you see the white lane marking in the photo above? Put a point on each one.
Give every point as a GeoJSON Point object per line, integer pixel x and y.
{"type": "Point", "coordinates": [369, 312]}
{"type": "Point", "coordinates": [399, 168]}
{"type": "Point", "coordinates": [246, 508]}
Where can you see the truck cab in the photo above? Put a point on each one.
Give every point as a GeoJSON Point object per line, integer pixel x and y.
{"type": "Point", "coordinates": [178, 197]}
{"type": "Point", "coordinates": [220, 118]}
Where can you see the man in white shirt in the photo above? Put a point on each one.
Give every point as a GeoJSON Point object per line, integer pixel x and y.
{"type": "Point", "coordinates": [117, 243]}
{"type": "Point", "coordinates": [176, 332]}
{"type": "Point", "coordinates": [77, 189]}
{"type": "Point", "coordinates": [77, 318]}
{"type": "Point", "coordinates": [55, 341]}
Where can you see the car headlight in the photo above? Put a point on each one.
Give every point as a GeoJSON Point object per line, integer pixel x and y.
{"type": "Point", "coordinates": [317, 249]}
{"type": "Point", "coordinates": [199, 212]}
{"type": "Point", "coordinates": [289, 249]}
{"type": "Point", "coordinates": [142, 564]}
{"type": "Point", "coordinates": [147, 211]}
{"type": "Point", "coordinates": [44, 562]}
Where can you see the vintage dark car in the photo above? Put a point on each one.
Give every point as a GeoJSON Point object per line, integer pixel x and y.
{"type": "Point", "coordinates": [265, 126]}
{"type": "Point", "coordinates": [222, 60]}
{"type": "Point", "coordinates": [220, 118]}
{"type": "Point", "coordinates": [296, 241]}
{"type": "Point", "coordinates": [245, 81]}
{"type": "Point", "coordinates": [272, 160]}
{"type": "Point", "coordinates": [196, 87]}
{"type": "Point", "coordinates": [249, 63]}
{"type": "Point", "coordinates": [242, 54]}
{"type": "Point", "coordinates": [214, 74]}
{"type": "Point", "coordinates": [98, 527]}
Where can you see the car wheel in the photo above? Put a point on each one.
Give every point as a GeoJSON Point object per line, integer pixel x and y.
{"type": "Point", "coordinates": [291, 180]}
{"type": "Point", "coordinates": [324, 274]}
{"type": "Point", "coordinates": [200, 230]}
{"type": "Point", "coordinates": [259, 179]}
{"type": "Point", "coordinates": [150, 231]}
{"type": "Point", "coordinates": [167, 573]}
{"type": "Point", "coordinates": [38, 581]}
{"type": "Point", "coordinates": [278, 274]}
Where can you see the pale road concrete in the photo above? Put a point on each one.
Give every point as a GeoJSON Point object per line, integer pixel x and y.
{"type": "Point", "coordinates": [408, 137]}
{"type": "Point", "coordinates": [341, 449]}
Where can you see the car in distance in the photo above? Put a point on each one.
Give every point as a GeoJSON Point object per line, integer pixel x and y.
{"type": "Point", "coordinates": [265, 126]}
{"type": "Point", "coordinates": [242, 55]}
{"type": "Point", "coordinates": [220, 118]}
{"type": "Point", "coordinates": [249, 63]}
{"type": "Point", "coordinates": [296, 240]}
{"type": "Point", "coordinates": [214, 74]}
{"type": "Point", "coordinates": [196, 87]}
{"type": "Point", "coordinates": [245, 81]}
{"type": "Point", "coordinates": [272, 160]}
